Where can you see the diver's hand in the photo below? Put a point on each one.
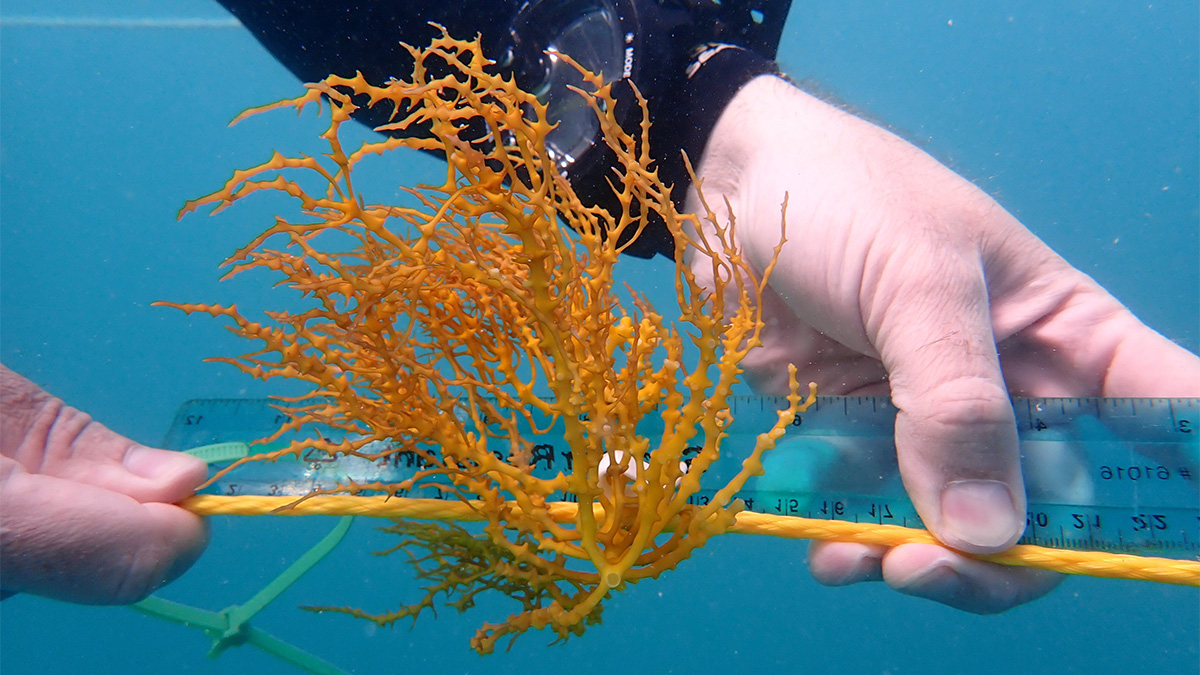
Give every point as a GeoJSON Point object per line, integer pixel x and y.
{"type": "Point", "coordinates": [901, 277]}
{"type": "Point", "coordinates": [87, 514]}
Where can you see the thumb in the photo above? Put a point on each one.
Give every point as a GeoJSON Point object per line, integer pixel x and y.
{"type": "Point", "coordinates": [81, 543]}
{"type": "Point", "coordinates": [47, 437]}
{"type": "Point", "coordinates": [956, 439]}
{"type": "Point", "coordinates": [88, 514]}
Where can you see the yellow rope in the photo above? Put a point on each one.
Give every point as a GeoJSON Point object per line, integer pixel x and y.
{"type": "Point", "coordinates": [1090, 563]}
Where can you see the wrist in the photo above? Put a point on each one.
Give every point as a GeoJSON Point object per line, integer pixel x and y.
{"type": "Point", "coordinates": [770, 120]}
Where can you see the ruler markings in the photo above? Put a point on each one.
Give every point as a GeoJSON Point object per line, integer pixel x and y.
{"type": "Point", "coordinates": [1134, 488]}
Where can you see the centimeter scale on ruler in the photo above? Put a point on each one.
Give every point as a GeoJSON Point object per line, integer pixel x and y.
{"type": "Point", "coordinates": [1110, 474]}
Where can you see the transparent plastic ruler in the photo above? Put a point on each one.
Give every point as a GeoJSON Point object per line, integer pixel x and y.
{"type": "Point", "coordinates": [1101, 473]}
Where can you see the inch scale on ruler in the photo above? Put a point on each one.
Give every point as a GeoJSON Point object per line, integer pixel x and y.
{"type": "Point", "coordinates": [1101, 473]}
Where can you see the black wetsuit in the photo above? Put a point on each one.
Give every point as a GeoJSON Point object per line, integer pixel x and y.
{"type": "Point", "coordinates": [316, 38]}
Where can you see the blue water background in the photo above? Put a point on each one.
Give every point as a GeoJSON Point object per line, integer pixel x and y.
{"type": "Point", "coordinates": [1080, 118]}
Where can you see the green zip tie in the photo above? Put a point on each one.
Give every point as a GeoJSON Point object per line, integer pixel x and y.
{"type": "Point", "coordinates": [231, 627]}
{"type": "Point", "coordinates": [241, 614]}
{"type": "Point", "coordinates": [220, 453]}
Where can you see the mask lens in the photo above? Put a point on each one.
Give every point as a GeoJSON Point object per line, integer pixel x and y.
{"type": "Point", "coordinates": [588, 32]}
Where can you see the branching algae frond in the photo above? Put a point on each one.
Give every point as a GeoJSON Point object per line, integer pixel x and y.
{"type": "Point", "coordinates": [448, 322]}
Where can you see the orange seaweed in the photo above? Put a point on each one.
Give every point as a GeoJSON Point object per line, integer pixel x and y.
{"type": "Point", "coordinates": [452, 325]}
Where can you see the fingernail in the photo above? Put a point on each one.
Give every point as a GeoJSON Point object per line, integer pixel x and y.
{"type": "Point", "coordinates": [980, 514]}
{"type": "Point", "coordinates": [939, 582]}
{"type": "Point", "coordinates": [865, 566]}
{"type": "Point", "coordinates": [154, 464]}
